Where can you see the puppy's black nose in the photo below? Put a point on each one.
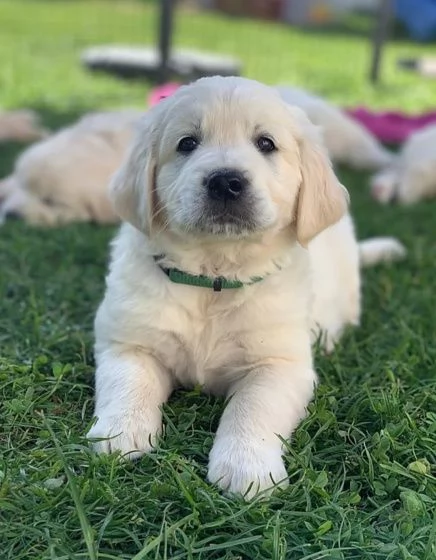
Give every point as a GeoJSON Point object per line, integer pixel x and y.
{"type": "Point", "coordinates": [225, 184]}
{"type": "Point", "coordinates": [12, 215]}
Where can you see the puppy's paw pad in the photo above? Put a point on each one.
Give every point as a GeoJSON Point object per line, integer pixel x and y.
{"type": "Point", "coordinates": [242, 468]}
{"type": "Point", "coordinates": [131, 435]}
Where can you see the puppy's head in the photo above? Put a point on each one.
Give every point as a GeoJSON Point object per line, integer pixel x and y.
{"type": "Point", "coordinates": [226, 157]}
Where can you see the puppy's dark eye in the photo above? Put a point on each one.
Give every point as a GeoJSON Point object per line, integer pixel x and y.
{"type": "Point", "coordinates": [187, 144]}
{"type": "Point", "coordinates": [265, 145]}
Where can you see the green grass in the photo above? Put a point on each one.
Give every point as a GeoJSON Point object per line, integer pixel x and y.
{"type": "Point", "coordinates": [362, 465]}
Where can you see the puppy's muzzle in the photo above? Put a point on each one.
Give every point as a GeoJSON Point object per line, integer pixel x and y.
{"type": "Point", "coordinates": [225, 185]}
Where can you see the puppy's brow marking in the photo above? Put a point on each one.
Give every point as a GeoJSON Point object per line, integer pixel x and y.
{"type": "Point", "coordinates": [259, 130]}
{"type": "Point", "coordinates": [193, 129]}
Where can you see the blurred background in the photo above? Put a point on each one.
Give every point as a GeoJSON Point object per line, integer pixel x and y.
{"type": "Point", "coordinates": [325, 46]}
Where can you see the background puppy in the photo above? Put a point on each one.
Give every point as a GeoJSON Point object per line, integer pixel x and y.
{"type": "Point", "coordinates": [65, 177]}
{"type": "Point", "coordinates": [412, 175]}
{"type": "Point", "coordinates": [346, 140]}
{"type": "Point", "coordinates": [226, 186]}
{"type": "Point", "coordinates": [22, 126]}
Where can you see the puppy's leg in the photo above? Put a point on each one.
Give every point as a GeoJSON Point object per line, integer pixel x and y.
{"type": "Point", "coordinates": [269, 402]}
{"type": "Point", "coordinates": [130, 388]}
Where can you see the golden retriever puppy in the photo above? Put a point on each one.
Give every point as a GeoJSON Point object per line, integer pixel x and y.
{"type": "Point", "coordinates": [21, 126]}
{"type": "Point", "coordinates": [237, 246]}
{"type": "Point", "coordinates": [65, 177]}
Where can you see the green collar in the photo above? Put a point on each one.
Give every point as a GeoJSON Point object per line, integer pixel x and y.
{"type": "Point", "coordinates": [217, 284]}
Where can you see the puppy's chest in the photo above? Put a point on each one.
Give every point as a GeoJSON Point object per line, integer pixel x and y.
{"type": "Point", "coordinates": [203, 342]}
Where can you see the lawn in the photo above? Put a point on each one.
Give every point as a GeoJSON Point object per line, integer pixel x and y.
{"type": "Point", "coordinates": [362, 465]}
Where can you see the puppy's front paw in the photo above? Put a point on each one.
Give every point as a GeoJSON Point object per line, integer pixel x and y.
{"type": "Point", "coordinates": [131, 434]}
{"type": "Point", "coordinates": [247, 468]}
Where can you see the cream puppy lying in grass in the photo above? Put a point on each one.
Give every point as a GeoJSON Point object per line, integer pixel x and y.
{"type": "Point", "coordinates": [237, 248]}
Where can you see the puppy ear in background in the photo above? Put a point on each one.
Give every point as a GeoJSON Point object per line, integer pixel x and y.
{"type": "Point", "coordinates": [322, 200]}
{"type": "Point", "coordinates": [133, 188]}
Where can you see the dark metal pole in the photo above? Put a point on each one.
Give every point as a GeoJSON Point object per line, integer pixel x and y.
{"type": "Point", "coordinates": [165, 35]}
{"type": "Point", "coordinates": [380, 37]}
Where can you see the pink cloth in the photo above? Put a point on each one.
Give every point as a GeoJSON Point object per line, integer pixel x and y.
{"type": "Point", "coordinates": [160, 92]}
{"type": "Point", "coordinates": [391, 127]}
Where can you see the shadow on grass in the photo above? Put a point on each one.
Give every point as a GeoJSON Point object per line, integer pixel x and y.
{"type": "Point", "coordinates": [356, 24]}
{"type": "Point", "coordinates": [8, 153]}
{"type": "Point", "coordinates": [360, 26]}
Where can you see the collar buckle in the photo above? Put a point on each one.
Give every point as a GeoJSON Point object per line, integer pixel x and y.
{"type": "Point", "coordinates": [217, 284]}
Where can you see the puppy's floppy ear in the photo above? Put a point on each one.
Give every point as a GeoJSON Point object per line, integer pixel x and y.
{"type": "Point", "coordinates": [322, 200]}
{"type": "Point", "coordinates": [133, 188]}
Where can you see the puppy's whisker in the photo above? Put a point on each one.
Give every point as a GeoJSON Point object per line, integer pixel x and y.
{"type": "Point", "coordinates": [158, 212]}
{"type": "Point", "coordinates": [162, 226]}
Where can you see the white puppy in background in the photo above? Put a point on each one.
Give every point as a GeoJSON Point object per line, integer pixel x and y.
{"type": "Point", "coordinates": [347, 141]}
{"type": "Point", "coordinates": [412, 175]}
{"type": "Point", "coordinates": [64, 178]}
{"type": "Point", "coordinates": [237, 246]}
{"type": "Point", "coordinates": [21, 126]}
